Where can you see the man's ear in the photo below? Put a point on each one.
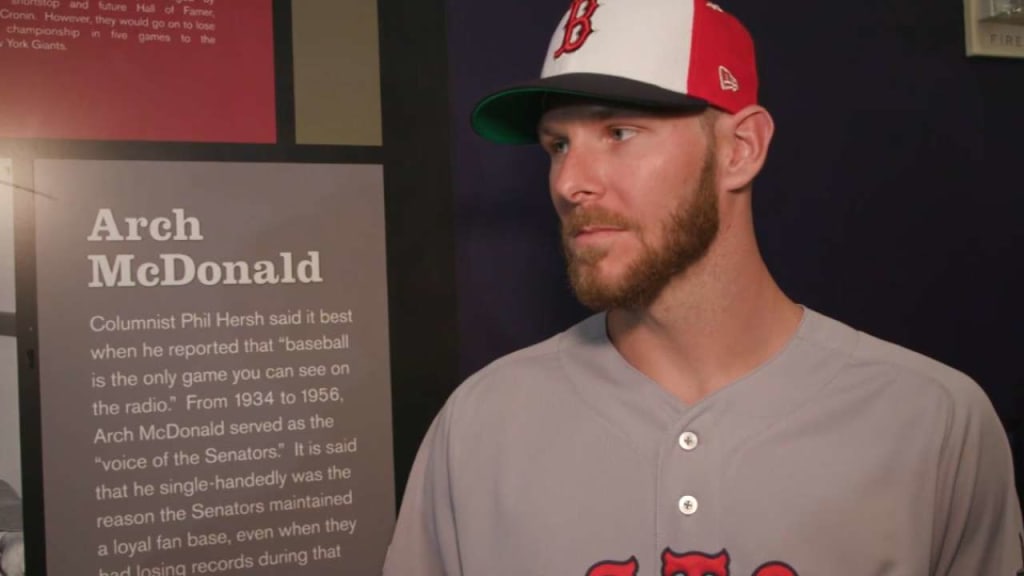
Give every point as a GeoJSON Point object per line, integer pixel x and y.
{"type": "Point", "coordinates": [743, 140]}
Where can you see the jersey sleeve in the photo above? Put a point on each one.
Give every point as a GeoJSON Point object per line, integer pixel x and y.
{"type": "Point", "coordinates": [424, 541]}
{"type": "Point", "coordinates": [978, 522]}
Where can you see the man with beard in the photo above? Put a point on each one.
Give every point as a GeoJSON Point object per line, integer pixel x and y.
{"type": "Point", "coordinates": [702, 422]}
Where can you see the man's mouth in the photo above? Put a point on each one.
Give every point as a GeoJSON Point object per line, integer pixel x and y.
{"type": "Point", "coordinates": [596, 231]}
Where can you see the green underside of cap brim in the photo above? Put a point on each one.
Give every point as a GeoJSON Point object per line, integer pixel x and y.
{"type": "Point", "coordinates": [511, 115]}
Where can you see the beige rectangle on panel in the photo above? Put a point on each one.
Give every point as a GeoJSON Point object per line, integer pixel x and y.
{"type": "Point", "coordinates": [6, 236]}
{"type": "Point", "coordinates": [337, 72]}
{"type": "Point", "coordinates": [10, 439]}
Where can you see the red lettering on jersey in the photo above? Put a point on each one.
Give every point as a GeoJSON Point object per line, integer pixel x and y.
{"type": "Point", "coordinates": [578, 27]}
{"type": "Point", "coordinates": [774, 569]}
{"type": "Point", "coordinates": [694, 564]}
{"type": "Point", "coordinates": [627, 568]}
{"type": "Point", "coordinates": [688, 564]}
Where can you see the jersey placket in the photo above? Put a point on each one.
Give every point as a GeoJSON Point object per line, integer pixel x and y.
{"type": "Point", "coordinates": [687, 495]}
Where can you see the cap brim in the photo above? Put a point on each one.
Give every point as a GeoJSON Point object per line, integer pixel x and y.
{"type": "Point", "coordinates": [511, 115]}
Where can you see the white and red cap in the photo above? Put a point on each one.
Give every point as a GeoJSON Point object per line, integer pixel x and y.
{"type": "Point", "coordinates": [660, 54]}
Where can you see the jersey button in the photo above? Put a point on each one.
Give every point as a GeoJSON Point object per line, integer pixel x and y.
{"type": "Point", "coordinates": [688, 505]}
{"type": "Point", "coordinates": [687, 441]}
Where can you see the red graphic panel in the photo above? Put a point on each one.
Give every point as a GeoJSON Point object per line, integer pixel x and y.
{"type": "Point", "coordinates": [171, 70]}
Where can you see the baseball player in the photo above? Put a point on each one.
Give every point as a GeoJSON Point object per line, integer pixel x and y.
{"type": "Point", "coordinates": [701, 423]}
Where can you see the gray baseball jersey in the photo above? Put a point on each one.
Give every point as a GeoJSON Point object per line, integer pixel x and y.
{"type": "Point", "coordinates": [843, 455]}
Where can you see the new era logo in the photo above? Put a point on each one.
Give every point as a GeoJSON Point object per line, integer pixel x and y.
{"type": "Point", "coordinates": [728, 82]}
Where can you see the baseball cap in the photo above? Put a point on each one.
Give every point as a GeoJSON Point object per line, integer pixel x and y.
{"type": "Point", "coordinates": [659, 54]}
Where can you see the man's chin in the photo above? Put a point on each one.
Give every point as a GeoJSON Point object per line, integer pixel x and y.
{"type": "Point", "coordinates": [596, 291]}
{"type": "Point", "coordinates": [587, 256]}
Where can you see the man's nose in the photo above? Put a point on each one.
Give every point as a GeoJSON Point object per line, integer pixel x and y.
{"type": "Point", "coordinates": [576, 178]}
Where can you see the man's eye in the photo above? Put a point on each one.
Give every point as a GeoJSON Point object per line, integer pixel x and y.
{"type": "Point", "coordinates": [621, 134]}
{"type": "Point", "coordinates": [558, 146]}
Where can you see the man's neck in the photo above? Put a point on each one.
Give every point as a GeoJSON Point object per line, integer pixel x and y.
{"type": "Point", "coordinates": [707, 329]}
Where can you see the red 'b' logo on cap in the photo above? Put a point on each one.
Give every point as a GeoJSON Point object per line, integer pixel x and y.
{"type": "Point", "coordinates": [578, 26]}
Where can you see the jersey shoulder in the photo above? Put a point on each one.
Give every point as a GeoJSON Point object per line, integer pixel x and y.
{"type": "Point", "coordinates": [902, 372]}
{"type": "Point", "coordinates": [526, 379]}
